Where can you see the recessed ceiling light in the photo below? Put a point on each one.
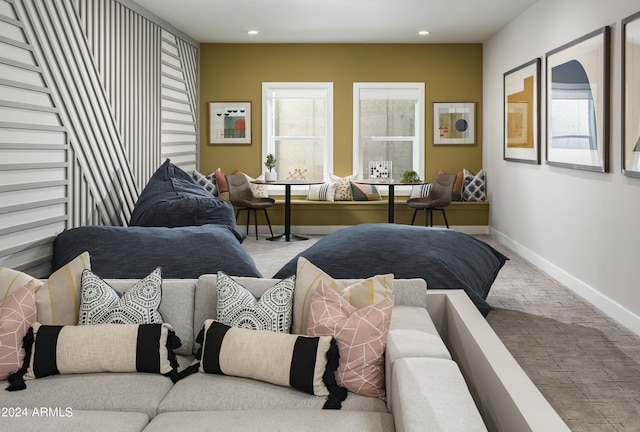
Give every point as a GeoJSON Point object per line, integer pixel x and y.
{"type": "Point", "coordinates": [423, 32]}
{"type": "Point", "coordinates": [253, 32]}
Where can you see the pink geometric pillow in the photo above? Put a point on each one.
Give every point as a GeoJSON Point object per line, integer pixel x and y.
{"type": "Point", "coordinates": [17, 315]}
{"type": "Point", "coordinates": [361, 335]}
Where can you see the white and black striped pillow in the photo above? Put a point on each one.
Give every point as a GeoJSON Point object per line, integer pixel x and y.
{"type": "Point", "coordinates": [302, 362]}
{"type": "Point", "coordinates": [59, 350]}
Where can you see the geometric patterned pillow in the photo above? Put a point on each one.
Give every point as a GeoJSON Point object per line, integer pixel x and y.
{"type": "Point", "coordinates": [364, 192]}
{"type": "Point", "coordinates": [258, 190]}
{"type": "Point", "coordinates": [359, 294]}
{"type": "Point", "coordinates": [237, 307]}
{"type": "Point", "coordinates": [101, 304]}
{"type": "Point", "coordinates": [17, 315]}
{"type": "Point", "coordinates": [207, 182]}
{"type": "Point", "coordinates": [474, 186]}
{"type": "Point", "coordinates": [361, 335]}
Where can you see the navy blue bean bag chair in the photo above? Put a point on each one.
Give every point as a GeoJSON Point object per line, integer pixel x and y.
{"type": "Point", "coordinates": [133, 252]}
{"type": "Point", "coordinates": [172, 198]}
{"type": "Point", "coordinates": [444, 258]}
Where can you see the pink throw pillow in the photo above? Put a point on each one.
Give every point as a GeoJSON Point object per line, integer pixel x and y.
{"type": "Point", "coordinates": [17, 315]}
{"type": "Point", "coordinates": [361, 335]}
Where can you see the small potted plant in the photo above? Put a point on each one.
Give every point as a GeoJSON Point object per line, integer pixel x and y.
{"type": "Point", "coordinates": [270, 163]}
{"type": "Point", "coordinates": [410, 177]}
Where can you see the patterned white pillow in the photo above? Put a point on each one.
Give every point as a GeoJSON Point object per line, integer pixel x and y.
{"type": "Point", "coordinates": [343, 187]}
{"type": "Point", "coordinates": [259, 190]}
{"type": "Point", "coordinates": [237, 307]}
{"type": "Point", "coordinates": [322, 192]}
{"type": "Point", "coordinates": [101, 304]}
{"type": "Point", "coordinates": [474, 188]}
{"type": "Point", "coordinates": [420, 191]}
{"type": "Point", "coordinates": [208, 182]}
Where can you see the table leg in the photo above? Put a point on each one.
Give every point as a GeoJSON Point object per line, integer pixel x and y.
{"type": "Point", "coordinates": [287, 236]}
{"type": "Point", "coordinates": [392, 201]}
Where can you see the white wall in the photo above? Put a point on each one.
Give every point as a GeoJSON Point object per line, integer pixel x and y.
{"type": "Point", "coordinates": [583, 228]}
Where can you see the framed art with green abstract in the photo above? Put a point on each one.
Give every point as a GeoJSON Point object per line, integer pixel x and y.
{"type": "Point", "coordinates": [522, 113]}
{"type": "Point", "coordinates": [577, 89]}
{"type": "Point", "coordinates": [631, 96]}
{"type": "Point", "coordinates": [454, 123]}
{"type": "Point", "coordinates": [229, 122]}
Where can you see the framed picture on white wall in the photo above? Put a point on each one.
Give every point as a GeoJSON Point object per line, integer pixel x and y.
{"type": "Point", "coordinates": [522, 113]}
{"type": "Point", "coordinates": [631, 95]}
{"type": "Point", "coordinates": [577, 103]}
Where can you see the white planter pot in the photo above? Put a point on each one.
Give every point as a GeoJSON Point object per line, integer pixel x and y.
{"type": "Point", "coordinates": [271, 176]}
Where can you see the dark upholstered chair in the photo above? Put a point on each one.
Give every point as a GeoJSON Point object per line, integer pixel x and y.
{"type": "Point", "coordinates": [241, 196]}
{"type": "Point", "coordinates": [438, 198]}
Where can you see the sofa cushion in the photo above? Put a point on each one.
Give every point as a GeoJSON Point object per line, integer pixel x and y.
{"type": "Point", "coordinates": [475, 186]}
{"type": "Point", "coordinates": [53, 350]}
{"type": "Point", "coordinates": [361, 335]}
{"type": "Point", "coordinates": [432, 392]}
{"type": "Point", "coordinates": [304, 363]}
{"type": "Point", "coordinates": [172, 198]}
{"type": "Point", "coordinates": [445, 259]}
{"type": "Point", "coordinates": [365, 192]}
{"type": "Point", "coordinates": [237, 307]}
{"type": "Point", "coordinates": [60, 418]}
{"type": "Point", "coordinates": [127, 392]}
{"type": "Point", "coordinates": [267, 420]}
{"type": "Point", "coordinates": [133, 252]}
{"type": "Point", "coordinates": [208, 182]}
{"type": "Point", "coordinates": [343, 187]}
{"type": "Point", "coordinates": [322, 192]}
{"type": "Point", "coordinates": [17, 314]}
{"type": "Point", "coordinates": [208, 392]}
{"type": "Point", "coordinates": [359, 293]}
{"type": "Point", "coordinates": [101, 304]}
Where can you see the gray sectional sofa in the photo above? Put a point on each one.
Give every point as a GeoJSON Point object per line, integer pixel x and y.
{"type": "Point", "coordinates": [483, 389]}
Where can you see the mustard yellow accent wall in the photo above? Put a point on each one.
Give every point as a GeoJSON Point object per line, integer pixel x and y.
{"type": "Point", "coordinates": [235, 72]}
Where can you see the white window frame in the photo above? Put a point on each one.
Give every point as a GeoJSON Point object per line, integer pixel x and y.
{"type": "Point", "coordinates": [268, 139]}
{"type": "Point", "coordinates": [393, 90]}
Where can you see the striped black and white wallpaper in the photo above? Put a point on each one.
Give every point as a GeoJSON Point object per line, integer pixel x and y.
{"type": "Point", "coordinates": [94, 95]}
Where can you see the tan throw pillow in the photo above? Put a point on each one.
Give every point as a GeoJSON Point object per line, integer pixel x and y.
{"type": "Point", "coordinates": [360, 294]}
{"type": "Point", "coordinates": [343, 187]}
{"type": "Point", "coordinates": [12, 280]}
{"type": "Point", "coordinates": [361, 334]}
{"type": "Point", "coordinates": [58, 300]}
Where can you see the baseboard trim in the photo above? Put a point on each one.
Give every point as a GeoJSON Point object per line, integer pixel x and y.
{"type": "Point", "coordinates": [608, 306]}
{"type": "Point", "coordinates": [328, 229]}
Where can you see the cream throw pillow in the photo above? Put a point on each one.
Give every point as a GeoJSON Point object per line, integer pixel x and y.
{"type": "Point", "coordinates": [58, 298]}
{"type": "Point", "coordinates": [308, 276]}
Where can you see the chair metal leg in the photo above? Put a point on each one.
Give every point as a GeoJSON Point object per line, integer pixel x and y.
{"type": "Point", "coordinates": [444, 215]}
{"type": "Point", "coordinates": [266, 215]}
{"type": "Point", "coordinates": [413, 219]}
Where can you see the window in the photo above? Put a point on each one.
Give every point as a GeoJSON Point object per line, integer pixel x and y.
{"type": "Point", "coordinates": [388, 128]}
{"type": "Point", "coordinates": [297, 125]}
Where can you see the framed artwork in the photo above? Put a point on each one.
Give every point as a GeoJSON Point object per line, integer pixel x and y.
{"type": "Point", "coordinates": [454, 123]}
{"type": "Point", "coordinates": [577, 103]}
{"type": "Point", "coordinates": [522, 113]}
{"type": "Point", "coordinates": [631, 96]}
{"type": "Point", "coordinates": [229, 122]}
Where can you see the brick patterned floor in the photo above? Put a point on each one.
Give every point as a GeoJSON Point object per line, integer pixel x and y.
{"type": "Point", "coordinates": [585, 364]}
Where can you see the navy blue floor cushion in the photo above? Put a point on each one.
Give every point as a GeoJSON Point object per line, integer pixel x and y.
{"type": "Point", "coordinates": [133, 252]}
{"type": "Point", "coordinates": [445, 259]}
{"type": "Point", "coordinates": [172, 198]}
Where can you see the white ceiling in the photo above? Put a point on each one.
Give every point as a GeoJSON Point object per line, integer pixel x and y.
{"type": "Point", "coordinates": [338, 21]}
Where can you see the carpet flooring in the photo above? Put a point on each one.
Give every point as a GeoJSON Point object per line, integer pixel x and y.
{"type": "Point", "coordinates": [584, 363]}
